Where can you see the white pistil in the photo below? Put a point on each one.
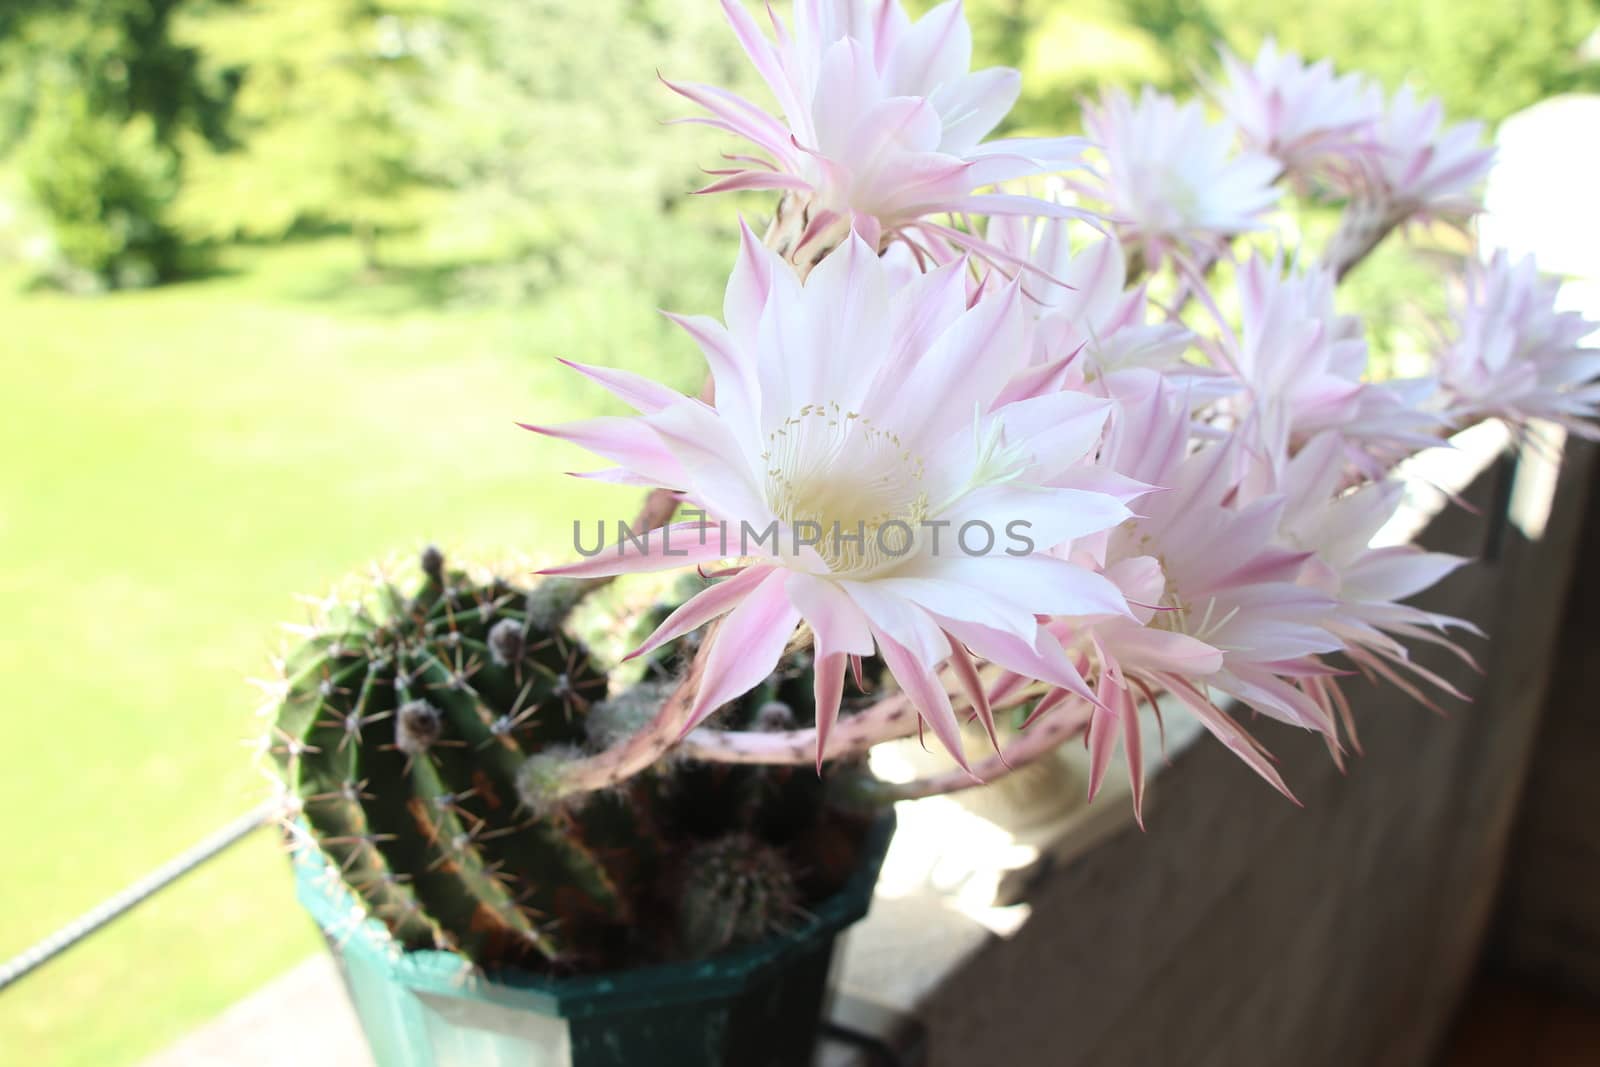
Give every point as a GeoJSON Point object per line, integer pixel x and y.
{"type": "Point", "coordinates": [994, 461]}
{"type": "Point", "coordinates": [855, 484]}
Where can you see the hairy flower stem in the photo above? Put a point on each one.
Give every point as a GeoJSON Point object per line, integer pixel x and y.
{"type": "Point", "coordinates": [887, 720]}
{"type": "Point", "coordinates": [639, 750]}
{"type": "Point", "coordinates": [1362, 229]}
{"type": "Point", "coordinates": [1032, 745]}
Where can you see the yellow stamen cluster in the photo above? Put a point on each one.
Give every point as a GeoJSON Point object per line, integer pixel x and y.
{"type": "Point", "coordinates": [839, 477]}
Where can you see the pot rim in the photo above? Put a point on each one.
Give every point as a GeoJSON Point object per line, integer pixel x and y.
{"type": "Point", "coordinates": [443, 973]}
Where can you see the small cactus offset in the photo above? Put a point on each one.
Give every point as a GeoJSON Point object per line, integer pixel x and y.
{"type": "Point", "coordinates": [736, 890]}
{"type": "Point", "coordinates": [417, 735]}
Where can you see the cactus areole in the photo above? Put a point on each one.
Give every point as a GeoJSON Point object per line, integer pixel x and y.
{"type": "Point", "coordinates": [419, 725]}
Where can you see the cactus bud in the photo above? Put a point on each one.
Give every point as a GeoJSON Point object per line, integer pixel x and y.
{"type": "Point", "coordinates": [433, 563]}
{"type": "Point", "coordinates": [615, 720]}
{"type": "Point", "coordinates": [418, 727]}
{"type": "Point", "coordinates": [736, 890]}
{"type": "Point", "coordinates": [553, 599]}
{"type": "Point", "coordinates": [506, 642]}
{"type": "Point", "coordinates": [539, 778]}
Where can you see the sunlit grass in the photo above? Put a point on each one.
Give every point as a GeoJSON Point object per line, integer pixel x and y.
{"type": "Point", "coordinates": [178, 463]}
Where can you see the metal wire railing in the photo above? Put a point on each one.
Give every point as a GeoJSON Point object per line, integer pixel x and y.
{"type": "Point", "coordinates": [211, 846]}
{"type": "Point", "coordinates": [872, 1046]}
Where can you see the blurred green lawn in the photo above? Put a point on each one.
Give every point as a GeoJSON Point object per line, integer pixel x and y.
{"type": "Point", "coordinates": [177, 463]}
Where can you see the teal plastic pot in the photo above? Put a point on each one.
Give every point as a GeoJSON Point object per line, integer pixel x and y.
{"type": "Point", "coordinates": [755, 1007]}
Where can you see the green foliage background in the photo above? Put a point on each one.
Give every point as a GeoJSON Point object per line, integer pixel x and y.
{"type": "Point", "coordinates": [1485, 58]}
{"type": "Point", "coordinates": [526, 136]}
{"type": "Point", "coordinates": [95, 97]}
{"type": "Point", "coordinates": [381, 220]}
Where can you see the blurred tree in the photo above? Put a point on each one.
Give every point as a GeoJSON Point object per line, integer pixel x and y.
{"type": "Point", "coordinates": [96, 99]}
{"type": "Point", "coordinates": [319, 110]}
{"type": "Point", "coordinates": [1532, 47]}
{"type": "Point", "coordinates": [527, 130]}
{"type": "Point", "coordinates": [1485, 58]}
{"type": "Point", "coordinates": [105, 185]}
{"type": "Point", "coordinates": [546, 118]}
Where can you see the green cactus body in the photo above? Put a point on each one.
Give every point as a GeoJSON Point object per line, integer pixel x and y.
{"type": "Point", "coordinates": [417, 732]}
{"type": "Point", "coordinates": [403, 733]}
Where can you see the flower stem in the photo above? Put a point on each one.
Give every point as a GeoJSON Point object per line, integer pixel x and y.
{"type": "Point", "coordinates": [887, 720]}
{"type": "Point", "coordinates": [1030, 746]}
{"type": "Point", "coordinates": [1362, 228]}
{"type": "Point", "coordinates": [638, 751]}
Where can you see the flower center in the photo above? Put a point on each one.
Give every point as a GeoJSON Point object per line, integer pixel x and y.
{"type": "Point", "coordinates": [846, 485]}
{"type": "Point", "coordinates": [1200, 619]}
{"type": "Point", "coordinates": [1168, 198]}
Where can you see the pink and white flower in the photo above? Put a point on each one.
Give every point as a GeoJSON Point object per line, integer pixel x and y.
{"type": "Point", "coordinates": [859, 416]}
{"type": "Point", "coordinates": [1515, 355]}
{"type": "Point", "coordinates": [1366, 582]}
{"type": "Point", "coordinates": [1302, 367]}
{"type": "Point", "coordinates": [1174, 181]}
{"type": "Point", "coordinates": [1088, 324]}
{"type": "Point", "coordinates": [1219, 609]}
{"type": "Point", "coordinates": [1312, 121]}
{"type": "Point", "coordinates": [1419, 167]}
{"type": "Point", "coordinates": [883, 122]}
{"type": "Point", "coordinates": [888, 380]}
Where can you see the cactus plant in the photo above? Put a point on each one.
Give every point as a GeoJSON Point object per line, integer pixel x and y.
{"type": "Point", "coordinates": [414, 734]}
